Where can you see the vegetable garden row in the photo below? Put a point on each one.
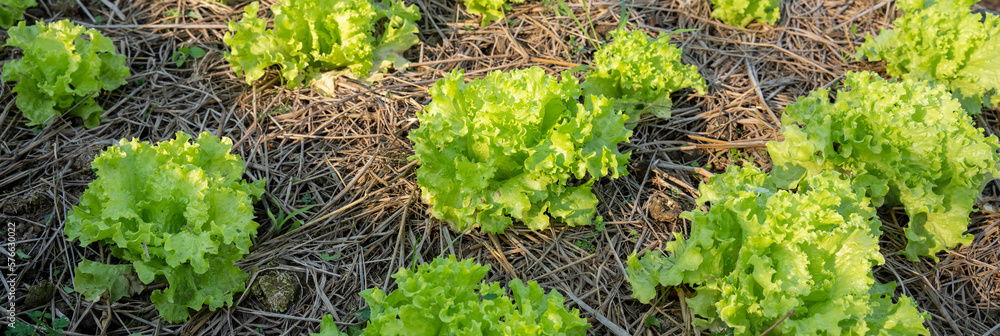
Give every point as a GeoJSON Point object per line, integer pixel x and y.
{"type": "Point", "coordinates": [784, 252]}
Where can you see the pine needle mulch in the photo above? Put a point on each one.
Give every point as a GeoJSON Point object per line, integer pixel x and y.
{"type": "Point", "coordinates": [344, 159]}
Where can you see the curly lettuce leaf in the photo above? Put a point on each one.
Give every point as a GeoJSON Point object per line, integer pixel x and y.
{"type": "Point", "coordinates": [944, 43]}
{"type": "Point", "coordinates": [760, 251]}
{"type": "Point", "coordinates": [358, 36]}
{"type": "Point", "coordinates": [740, 13]}
{"type": "Point", "coordinates": [909, 142]}
{"type": "Point", "coordinates": [490, 10]}
{"type": "Point", "coordinates": [515, 145]}
{"type": "Point", "coordinates": [640, 74]}
{"type": "Point", "coordinates": [93, 279]}
{"type": "Point", "coordinates": [61, 71]}
{"type": "Point", "coordinates": [910, 6]}
{"type": "Point", "coordinates": [12, 11]}
{"type": "Point", "coordinates": [178, 211]}
{"type": "Point", "coordinates": [448, 297]}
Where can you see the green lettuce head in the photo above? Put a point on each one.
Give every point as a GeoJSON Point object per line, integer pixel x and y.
{"type": "Point", "coordinates": [63, 69]}
{"type": "Point", "coordinates": [761, 252]}
{"type": "Point", "coordinates": [449, 297]}
{"type": "Point", "coordinates": [515, 145]}
{"type": "Point", "coordinates": [909, 142]}
{"type": "Point", "coordinates": [178, 211]}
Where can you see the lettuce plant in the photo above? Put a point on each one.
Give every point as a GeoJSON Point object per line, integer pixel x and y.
{"type": "Point", "coordinates": [62, 71]}
{"type": "Point", "coordinates": [177, 211]}
{"type": "Point", "coordinates": [312, 35]}
{"type": "Point", "coordinates": [490, 10]}
{"type": "Point", "coordinates": [908, 142]}
{"type": "Point", "coordinates": [640, 74]}
{"type": "Point", "coordinates": [740, 13]}
{"type": "Point", "coordinates": [515, 145]}
{"type": "Point", "coordinates": [761, 252]}
{"type": "Point", "coordinates": [12, 11]}
{"type": "Point", "coordinates": [448, 297]}
{"type": "Point", "coordinates": [945, 43]}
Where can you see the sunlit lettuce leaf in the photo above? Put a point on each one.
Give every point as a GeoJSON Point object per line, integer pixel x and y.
{"type": "Point", "coordinates": [63, 69]}
{"type": "Point", "coordinates": [12, 11]}
{"type": "Point", "coordinates": [491, 10]}
{"type": "Point", "coordinates": [909, 142]}
{"type": "Point", "coordinates": [640, 73]}
{"type": "Point", "coordinates": [944, 43]}
{"type": "Point", "coordinates": [314, 35]}
{"type": "Point", "coordinates": [515, 145]}
{"type": "Point", "coordinates": [740, 13]}
{"type": "Point", "coordinates": [448, 297]}
{"type": "Point", "coordinates": [760, 252]}
{"type": "Point", "coordinates": [178, 211]}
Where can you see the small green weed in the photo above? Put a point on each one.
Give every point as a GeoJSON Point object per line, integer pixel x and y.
{"type": "Point", "coordinates": [41, 327]}
{"type": "Point", "coordinates": [182, 55]}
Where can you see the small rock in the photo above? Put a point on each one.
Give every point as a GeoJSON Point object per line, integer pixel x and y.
{"type": "Point", "coordinates": [39, 295]}
{"type": "Point", "coordinates": [276, 289]}
{"type": "Point", "coordinates": [663, 209]}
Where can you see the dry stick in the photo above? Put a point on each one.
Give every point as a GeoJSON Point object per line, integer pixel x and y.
{"type": "Point", "coordinates": [413, 65]}
{"type": "Point", "coordinates": [563, 266]}
{"type": "Point", "coordinates": [782, 319]}
{"type": "Point", "coordinates": [645, 177]}
{"type": "Point", "coordinates": [760, 144]}
{"type": "Point", "coordinates": [154, 26]}
{"type": "Point", "coordinates": [990, 332]}
{"type": "Point", "coordinates": [698, 170]}
{"type": "Point", "coordinates": [548, 61]}
{"type": "Point", "coordinates": [349, 97]}
{"type": "Point", "coordinates": [863, 13]}
{"type": "Point", "coordinates": [517, 46]}
{"type": "Point", "coordinates": [114, 9]}
{"type": "Point", "coordinates": [763, 101]}
{"type": "Point", "coordinates": [600, 318]}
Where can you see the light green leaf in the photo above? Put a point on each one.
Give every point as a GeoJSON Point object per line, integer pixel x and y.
{"type": "Point", "coordinates": [93, 279]}
{"type": "Point", "coordinates": [62, 71]}
{"type": "Point", "coordinates": [197, 52]}
{"type": "Point", "coordinates": [12, 11]}
{"type": "Point", "coordinates": [740, 13]}
{"type": "Point", "coordinates": [328, 328]}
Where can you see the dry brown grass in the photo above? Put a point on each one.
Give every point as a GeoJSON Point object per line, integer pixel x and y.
{"type": "Point", "coordinates": [349, 155]}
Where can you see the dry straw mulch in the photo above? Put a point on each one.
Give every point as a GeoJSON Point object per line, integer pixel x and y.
{"type": "Point", "coordinates": [346, 156]}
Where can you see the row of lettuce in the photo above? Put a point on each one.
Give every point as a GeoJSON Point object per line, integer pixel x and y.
{"type": "Point", "coordinates": [792, 251]}
{"type": "Point", "coordinates": [795, 246]}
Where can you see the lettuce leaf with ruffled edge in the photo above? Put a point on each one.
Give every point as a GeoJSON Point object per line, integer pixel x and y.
{"type": "Point", "coordinates": [740, 13]}
{"type": "Point", "coordinates": [12, 11]}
